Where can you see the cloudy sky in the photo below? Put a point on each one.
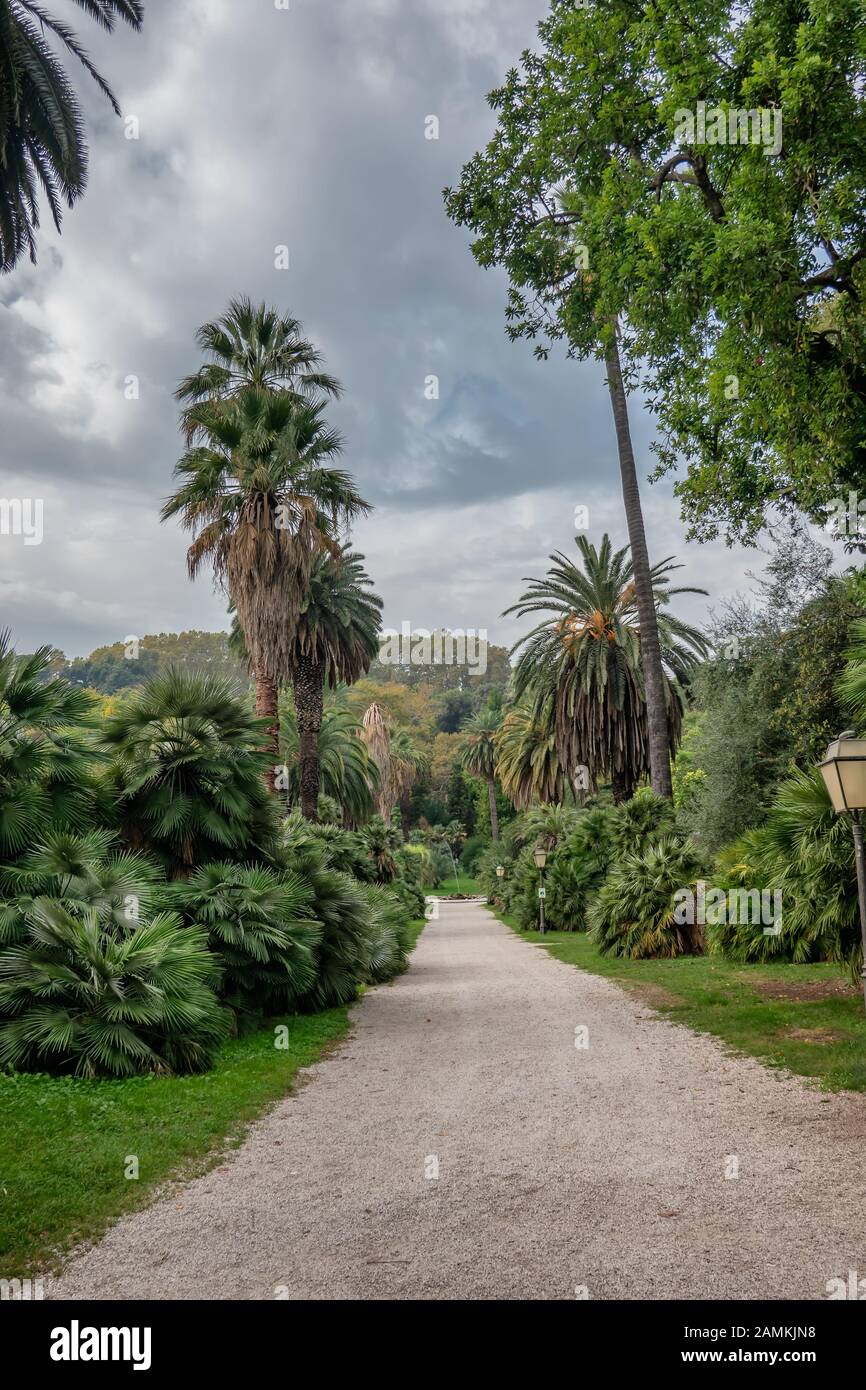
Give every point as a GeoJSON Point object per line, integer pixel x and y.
{"type": "Point", "coordinates": [260, 127]}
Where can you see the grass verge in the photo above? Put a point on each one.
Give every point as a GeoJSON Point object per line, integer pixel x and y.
{"type": "Point", "coordinates": [806, 1018]}
{"type": "Point", "coordinates": [453, 887]}
{"type": "Point", "coordinates": [65, 1142]}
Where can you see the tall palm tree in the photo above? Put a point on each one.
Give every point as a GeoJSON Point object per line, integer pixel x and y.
{"type": "Point", "coordinates": [395, 755]}
{"type": "Point", "coordinates": [42, 145]}
{"type": "Point", "coordinates": [260, 497]}
{"type": "Point", "coordinates": [479, 757]}
{"type": "Point", "coordinates": [659, 744]}
{"type": "Point", "coordinates": [253, 347]}
{"type": "Point", "coordinates": [587, 656]}
{"type": "Point", "coordinates": [335, 639]}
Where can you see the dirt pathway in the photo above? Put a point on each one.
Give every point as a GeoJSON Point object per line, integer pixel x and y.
{"type": "Point", "coordinates": [563, 1171]}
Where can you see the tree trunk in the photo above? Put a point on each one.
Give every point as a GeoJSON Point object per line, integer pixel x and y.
{"type": "Point", "coordinates": [491, 801]}
{"type": "Point", "coordinates": [266, 708]}
{"type": "Point", "coordinates": [651, 657]}
{"type": "Point", "coordinates": [308, 681]}
{"type": "Point", "coordinates": [622, 786]}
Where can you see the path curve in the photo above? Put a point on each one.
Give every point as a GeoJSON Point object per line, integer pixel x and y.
{"type": "Point", "coordinates": [562, 1172]}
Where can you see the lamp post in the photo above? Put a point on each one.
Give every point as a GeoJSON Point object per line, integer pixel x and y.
{"type": "Point", "coordinates": [540, 856]}
{"type": "Point", "coordinates": [844, 772]}
{"type": "Point", "coordinates": [500, 872]}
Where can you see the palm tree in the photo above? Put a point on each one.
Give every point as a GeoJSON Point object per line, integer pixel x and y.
{"type": "Point", "coordinates": [253, 347]}
{"type": "Point", "coordinates": [585, 662]}
{"type": "Point", "coordinates": [656, 691]}
{"type": "Point", "coordinates": [335, 639]}
{"type": "Point", "coordinates": [478, 757]}
{"type": "Point", "coordinates": [376, 733]}
{"type": "Point", "coordinates": [262, 502]}
{"type": "Point", "coordinates": [527, 760]}
{"type": "Point", "coordinates": [42, 144]}
{"type": "Point", "coordinates": [408, 762]}
{"type": "Point", "coordinates": [347, 773]}
{"type": "Point", "coordinates": [396, 757]}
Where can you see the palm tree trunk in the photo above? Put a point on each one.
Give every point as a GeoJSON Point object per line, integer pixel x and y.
{"type": "Point", "coordinates": [491, 801]}
{"type": "Point", "coordinates": [308, 681]}
{"type": "Point", "coordinates": [651, 657]}
{"type": "Point", "coordinates": [266, 708]}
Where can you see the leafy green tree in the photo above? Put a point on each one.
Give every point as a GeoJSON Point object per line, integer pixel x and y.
{"type": "Point", "coordinates": [42, 138]}
{"type": "Point", "coordinates": [630, 180]}
{"type": "Point", "coordinates": [586, 661]}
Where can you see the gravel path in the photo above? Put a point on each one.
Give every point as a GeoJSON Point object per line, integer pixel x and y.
{"type": "Point", "coordinates": [563, 1172]}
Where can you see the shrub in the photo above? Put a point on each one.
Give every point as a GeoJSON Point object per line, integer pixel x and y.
{"type": "Point", "coordinates": [641, 822]}
{"type": "Point", "coordinates": [258, 924]}
{"type": "Point", "coordinates": [806, 851]}
{"type": "Point", "coordinates": [577, 870]}
{"type": "Point", "coordinates": [75, 997]}
{"type": "Point", "coordinates": [634, 914]}
{"type": "Point", "coordinates": [188, 774]}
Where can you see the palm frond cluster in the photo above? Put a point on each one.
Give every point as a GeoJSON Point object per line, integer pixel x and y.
{"type": "Point", "coordinates": [156, 906]}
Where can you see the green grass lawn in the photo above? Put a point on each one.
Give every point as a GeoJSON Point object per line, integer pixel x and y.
{"type": "Point", "coordinates": [451, 886]}
{"type": "Point", "coordinates": [807, 1018]}
{"type": "Point", "coordinates": [65, 1142]}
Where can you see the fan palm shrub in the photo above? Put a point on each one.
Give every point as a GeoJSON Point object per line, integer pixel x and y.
{"type": "Point", "coordinates": [388, 934]}
{"type": "Point", "coordinates": [382, 841]}
{"type": "Point", "coordinates": [46, 761]}
{"type": "Point", "coordinates": [641, 821]}
{"type": "Point", "coordinates": [582, 662]}
{"type": "Point", "coordinates": [578, 868]}
{"type": "Point", "coordinates": [353, 945]}
{"type": "Point", "coordinates": [805, 851]}
{"type": "Point", "coordinates": [82, 872]}
{"type": "Point", "coordinates": [544, 826]}
{"type": "Point", "coordinates": [258, 925]}
{"type": "Point", "coordinates": [636, 912]}
{"type": "Point", "coordinates": [42, 139]}
{"type": "Point", "coordinates": [77, 998]}
{"type": "Point", "coordinates": [187, 774]}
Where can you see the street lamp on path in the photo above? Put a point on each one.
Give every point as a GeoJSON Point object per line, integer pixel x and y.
{"type": "Point", "coordinates": [844, 772]}
{"type": "Point", "coordinates": [540, 856]}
